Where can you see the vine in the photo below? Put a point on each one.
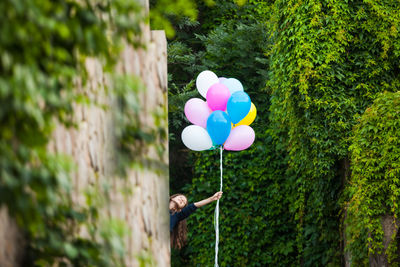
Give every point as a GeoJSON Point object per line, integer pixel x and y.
{"type": "Point", "coordinates": [330, 60]}
{"type": "Point", "coordinates": [374, 188]}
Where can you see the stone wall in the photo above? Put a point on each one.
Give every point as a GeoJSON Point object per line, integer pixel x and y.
{"type": "Point", "coordinates": [11, 241]}
{"type": "Point", "coordinates": [145, 209]}
{"type": "Point", "coordinates": [390, 227]}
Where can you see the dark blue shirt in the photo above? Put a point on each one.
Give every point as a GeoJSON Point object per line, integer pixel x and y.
{"type": "Point", "coordinates": [179, 216]}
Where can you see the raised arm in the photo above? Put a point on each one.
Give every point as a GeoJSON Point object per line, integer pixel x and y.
{"type": "Point", "coordinates": [206, 201]}
{"type": "Point", "coordinates": [186, 211]}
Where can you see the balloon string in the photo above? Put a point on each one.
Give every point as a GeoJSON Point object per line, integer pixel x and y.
{"type": "Point", "coordinates": [216, 214]}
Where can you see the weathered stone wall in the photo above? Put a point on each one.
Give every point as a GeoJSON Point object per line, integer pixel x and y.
{"type": "Point", "coordinates": [145, 210]}
{"type": "Point", "coordinates": [10, 241]}
{"type": "Point", "coordinates": [390, 228]}
{"type": "Point", "coordinates": [92, 147]}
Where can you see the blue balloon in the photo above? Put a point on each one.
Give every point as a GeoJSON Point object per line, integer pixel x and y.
{"type": "Point", "coordinates": [238, 106]}
{"type": "Point", "coordinates": [218, 127]}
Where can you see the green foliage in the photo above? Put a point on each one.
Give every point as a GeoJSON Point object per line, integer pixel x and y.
{"type": "Point", "coordinates": [324, 63]}
{"type": "Point", "coordinates": [237, 50]}
{"type": "Point", "coordinates": [183, 64]}
{"type": "Point", "coordinates": [239, 11]}
{"type": "Point", "coordinates": [220, 50]}
{"type": "Point", "coordinates": [374, 187]}
{"type": "Point", "coordinates": [254, 199]}
{"type": "Point", "coordinates": [43, 47]}
{"type": "Point", "coordinates": [329, 61]}
{"type": "Point", "coordinates": [256, 225]}
{"type": "Point", "coordinates": [162, 12]}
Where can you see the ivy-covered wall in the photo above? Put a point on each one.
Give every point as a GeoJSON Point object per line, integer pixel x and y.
{"type": "Point", "coordinates": [372, 220]}
{"type": "Point", "coordinates": [295, 197]}
{"type": "Point", "coordinates": [330, 60]}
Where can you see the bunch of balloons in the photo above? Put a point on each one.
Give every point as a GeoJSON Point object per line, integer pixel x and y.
{"type": "Point", "coordinates": [223, 119]}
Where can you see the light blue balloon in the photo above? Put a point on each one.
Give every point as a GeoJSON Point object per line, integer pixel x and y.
{"type": "Point", "coordinates": [238, 106]}
{"type": "Point", "coordinates": [218, 127]}
{"type": "Point", "coordinates": [234, 85]}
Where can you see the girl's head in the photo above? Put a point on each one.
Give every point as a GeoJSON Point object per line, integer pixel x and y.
{"type": "Point", "coordinates": [179, 234]}
{"type": "Point", "coordinates": [177, 202]}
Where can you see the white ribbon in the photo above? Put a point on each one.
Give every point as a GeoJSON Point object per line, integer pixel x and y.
{"type": "Point", "coordinates": [216, 215]}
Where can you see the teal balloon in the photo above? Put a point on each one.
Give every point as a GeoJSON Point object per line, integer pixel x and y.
{"type": "Point", "coordinates": [238, 106]}
{"type": "Point", "coordinates": [218, 127]}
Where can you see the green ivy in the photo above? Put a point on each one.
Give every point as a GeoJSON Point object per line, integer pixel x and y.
{"type": "Point", "coordinates": [374, 188]}
{"type": "Point", "coordinates": [330, 59]}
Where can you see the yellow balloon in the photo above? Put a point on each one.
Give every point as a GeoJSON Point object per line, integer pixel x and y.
{"type": "Point", "coordinates": [250, 117]}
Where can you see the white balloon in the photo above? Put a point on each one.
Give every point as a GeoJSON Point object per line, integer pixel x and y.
{"type": "Point", "coordinates": [196, 138]}
{"type": "Point", "coordinates": [204, 80]}
{"type": "Point", "coordinates": [233, 85]}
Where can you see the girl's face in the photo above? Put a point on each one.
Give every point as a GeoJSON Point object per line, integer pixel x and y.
{"type": "Point", "coordinates": [181, 200]}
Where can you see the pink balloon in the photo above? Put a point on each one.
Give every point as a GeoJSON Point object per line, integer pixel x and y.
{"type": "Point", "coordinates": [240, 138]}
{"type": "Point", "coordinates": [197, 112]}
{"type": "Point", "coordinates": [217, 96]}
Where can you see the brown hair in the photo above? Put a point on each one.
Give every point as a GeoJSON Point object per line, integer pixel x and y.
{"type": "Point", "coordinates": [179, 233]}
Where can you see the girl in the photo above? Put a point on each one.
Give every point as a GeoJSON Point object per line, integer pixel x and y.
{"type": "Point", "coordinates": [179, 210]}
